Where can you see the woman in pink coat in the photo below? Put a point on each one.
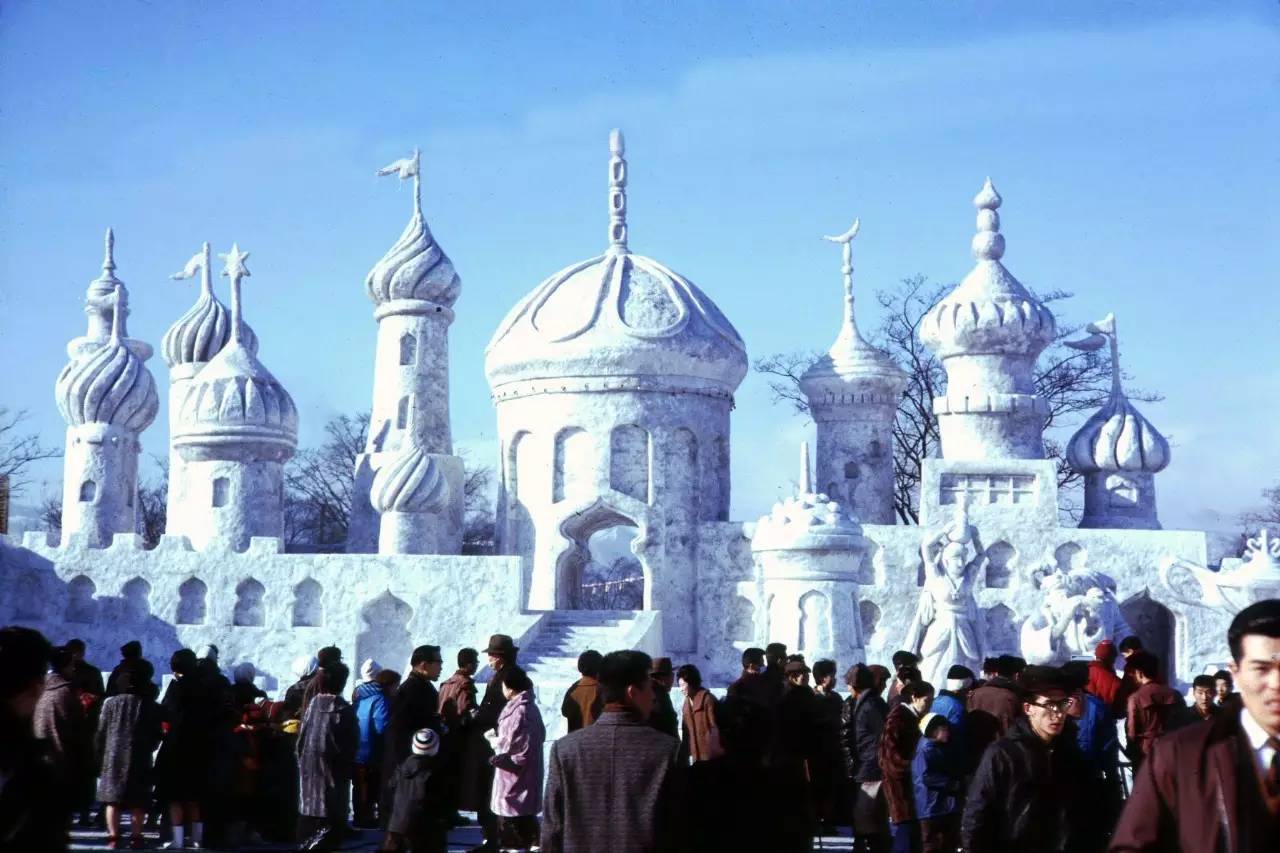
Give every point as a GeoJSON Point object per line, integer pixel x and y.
{"type": "Point", "coordinates": [517, 759]}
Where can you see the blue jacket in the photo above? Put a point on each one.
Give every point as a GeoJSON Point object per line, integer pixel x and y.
{"type": "Point", "coordinates": [1096, 735]}
{"type": "Point", "coordinates": [949, 705]}
{"type": "Point", "coordinates": [931, 780]}
{"type": "Point", "coordinates": [372, 716]}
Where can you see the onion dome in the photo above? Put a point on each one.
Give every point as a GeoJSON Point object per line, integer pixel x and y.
{"type": "Point", "coordinates": [109, 384]}
{"type": "Point", "coordinates": [234, 408]}
{"type": "Point", "coordinates": [989, 312]}
{"type": "Point", "coordinates": [415, 267]}
{"type": "Point", "coordinates": [100, 304]}
{"type": "Point", "coordinates": [616, 321]}
{"type": "Point", "coordinates": [808, 521]}
{"type": "Point", "coordinates": [411, 482]}
{"type": "Point", "coordinates": [205, 328]}
{"type": "Point", "coordinates": [852, 370]}
{"type": "Point", "coordinates": [1117, 437]}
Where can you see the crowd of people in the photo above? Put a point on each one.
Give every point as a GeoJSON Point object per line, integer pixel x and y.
{"type": "Point", "coordinates": [1015, 758]}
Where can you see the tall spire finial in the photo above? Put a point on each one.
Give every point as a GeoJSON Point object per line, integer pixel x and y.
{"type": "Point", "coordinates": [846, 245]}
{"type": "Point", "coordinates": [109, 254]}
{"type": "Point", "coordinates": [806, 478]}
{"type": "Point", "coordinates": [235, 270]}
{"type": "Point", "coordinates": [617, 192]}
{"type": "Point", "coordinates": [988, 243]}
{"type": "Point", "coordinates": [408, 167]}
{"type": "Point", "coordinates": [117, 299]}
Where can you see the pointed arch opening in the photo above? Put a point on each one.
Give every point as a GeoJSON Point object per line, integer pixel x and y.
{"type": "Point", "coordinates": [192, 597]}
{"type": "Point", "coordinates": [250, 610]}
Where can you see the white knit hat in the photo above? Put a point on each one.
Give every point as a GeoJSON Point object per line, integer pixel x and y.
{"type": "Point", "coordinates": [425, 742]}
{"type": "Point", "coordinates": [927, 719]}
{"type": "Point", "coordinates": [369, 669]}
{"type": "Point", "coordinates": [303, 665]}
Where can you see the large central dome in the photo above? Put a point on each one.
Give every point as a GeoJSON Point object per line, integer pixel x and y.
{"type": "Point", "coordinates": [616, 321]}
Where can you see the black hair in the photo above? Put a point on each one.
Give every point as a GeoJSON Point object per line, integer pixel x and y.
{"type": "Point", "coordinates": [915, 690]}
{"type": "Point", "coordinates": [1007, 666]}
{"type": "Point", "coordinates": [1205, 681]}
{"type": "Point", "coordinates": [589, 663]}
{"type": "Point", "coordinates": [936, 723]}
{"type": "Point", "coordinates": [1145, 663]}
{"type": "Point", "coordinates": [1223, 675]}
{"type": "Point", "coordinates": [688, 673]}
{"type": "Point", "coordinates": [753, 655]}
{"type": "Point", "coordinates": [131, 649]}
{"type": "Point", "coordinates": [24, 657]}
{"type": "Point", "coordinates": [1075, 674]}
{"type": "Point", "coordinates": [775, 651]}
{"type": "Point", "coordinates": [60, 658]}
{"type": "Point", "coordinates": [860, 677]}
{"type": "Point", "coordinates": [902, 658]}
{"type": "Point", "coordinates": [1130, 644]}
{"type": "Point", "coordinates": [425, 654]}
{"type": "Point", "coordinates": [1261, 617]}
{"type": "Point", "coordinates": [880, 674]}
{"type": "Point", "coordinates": [183, 662]}
{"type": "Point", "coordinates": [991, 665]}
{"type": "Point", "coordinates": [468, 656]}
{"type": "Point", "coordinates": [75, 645]}
{"type": "Point", "coordinates": [620, 670]}
{"type": "Point", "coordinates": [515, 678]}
{"type": "Point", "coordinates": [823, 668]}
{"type": "Point", "coordinates": [328, 655]}
{"type": "Point", "coordinates": [334, 677]}
{"type": "Point", "coordinates": [908, 673]}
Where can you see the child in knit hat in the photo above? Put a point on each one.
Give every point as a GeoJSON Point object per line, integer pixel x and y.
{"type": "Point", "coordinates": [418, 819]}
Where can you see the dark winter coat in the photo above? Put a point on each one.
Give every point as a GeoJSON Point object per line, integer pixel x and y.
{"type": "Point", "coordinates": [1198, 790]}
{"type": "Point", "coordinates": [861, 722]}
{"type": "Point", "coordinates": [1151, 710]}
{"type": "Point", "coordinates": [933, 780]}
{"type": "Point", "coordinates": [33, 805]}
{"type": "Point", "coordinates": [477, 772]}
{"type": "Point", "coordinates": [897, 750]}
{"type": "Point", "coordinates": [293, 697]}
{"type": "Point", "coordinates": [415, 804]}
{"type": "Point", "coordinates": [959, 752]}
{"type": "Point", "coordinates": [1096, 737]}
{"type": "Point", "coordinates": [457, 701]}
{"type": "Point", "coordinates": [613, 786]}
{"type": "Point", "coordinates": [372, 716]}
{"type": "Point", "coordinates": [128, 732]}
{"type": "Point", "coordinates": [663, 717]}
{"type": "Point", "coordinates": [60, 724]}
{"type": "Point", "coordinates": [87, 678]}
{"type": "Point", "coordinates": [182, 767]}
{"type": "Point", "coordinates": [327, 742]}
{"type": "Point", "coordinates": [416, 706]}
{"type": "Point", "coordinates": [1025, 793]}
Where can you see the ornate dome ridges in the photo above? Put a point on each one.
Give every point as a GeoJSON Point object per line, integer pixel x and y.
{"type": "Point", "coordinates": [205, 328]}
{"type": "Point", "coordinates": [109, 384]}
{"type": "Point", "coordinates": [411, 482]}
{"type": "Point", "coordinates": [989, 312]}
{"type": "Point", "coordinates": [234, 400]}
{"type": "Point", "coordinates": [1116, 437]}
{"type": "Point", "coordinates": [612, 316]}
{"type": "Point", "coordinates": [415, 267]}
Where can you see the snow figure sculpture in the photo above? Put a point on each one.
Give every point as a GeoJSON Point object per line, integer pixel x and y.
{"type": "Point", "coordinates": [1078, 612]}
{"type": "Point", "coordinates": [947, 626]}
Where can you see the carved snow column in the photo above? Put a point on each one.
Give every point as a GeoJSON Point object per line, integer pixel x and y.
{"type": "Point", "coordinates": [853, 393]}
{"type": "Point", "coordinates": [237, 426]}
{"type": "Point", "coordinates": [988, 332]}
{"type": "Point", "coordinates": [188, 345]}
{"type": "Point", "coordinates": [807, 552]}
{"type": "Point", "coordinates": [1117, 450]}
{"type": "Point", "coordinates": [107, 397]}
{"type": "Point", "coordinates": [413, 287]}
{"type": "Point", "coordinates": [412, 494]}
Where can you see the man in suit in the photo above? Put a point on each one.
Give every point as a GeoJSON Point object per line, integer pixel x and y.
{"type": "Point", "coordinates": [614, 785]}
{"type": "Point", "coordinates": [1215, 785]}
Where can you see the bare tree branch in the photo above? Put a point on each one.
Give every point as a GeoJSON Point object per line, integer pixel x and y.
{"type": "Point", "coordinates": [18, 450]}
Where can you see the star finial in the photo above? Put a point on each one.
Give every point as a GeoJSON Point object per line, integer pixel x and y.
{"type": "Point", "coordinates": [235, 259]}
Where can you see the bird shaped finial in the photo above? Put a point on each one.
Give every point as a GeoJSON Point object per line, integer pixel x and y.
{"type": "Point", "coordinates": [408, 167]}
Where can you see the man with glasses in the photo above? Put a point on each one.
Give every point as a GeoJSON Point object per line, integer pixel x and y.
{"type": "Point", "coordinates": [1025, 793]}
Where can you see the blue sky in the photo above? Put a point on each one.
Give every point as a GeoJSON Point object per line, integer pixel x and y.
{"type": "Point", "coordinates": [1134, 144]}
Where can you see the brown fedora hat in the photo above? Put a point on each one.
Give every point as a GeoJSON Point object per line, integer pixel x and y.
{"type": "Point", "coordinates": [501, 644]}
